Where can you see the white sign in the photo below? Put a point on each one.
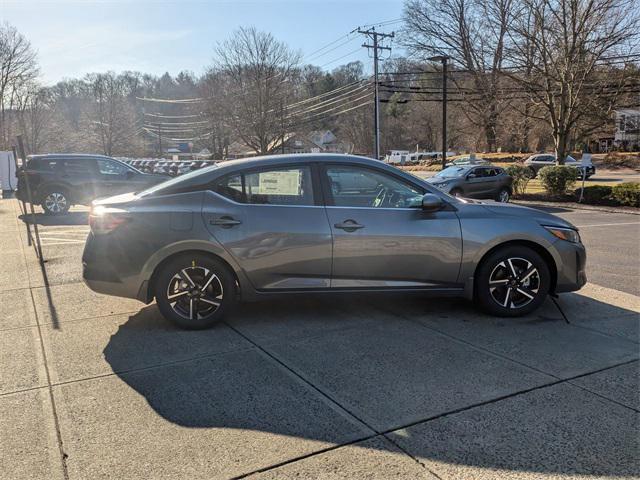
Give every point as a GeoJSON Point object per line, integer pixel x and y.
{"type": "Point", "coordinates": [279, 183]}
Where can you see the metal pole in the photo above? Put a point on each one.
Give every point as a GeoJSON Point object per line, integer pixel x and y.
{"type": "Point", "coordinates": [444, 111]}
{"type": "Point", "coordinates": [375, 104]}
{"type": "Point", "coordinates": [38, 245]}
{"type": "Point", "coordinates": [23, 205]}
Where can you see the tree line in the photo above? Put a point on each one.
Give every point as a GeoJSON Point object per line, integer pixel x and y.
{"type": "Point", "coordinates": [524, 75]}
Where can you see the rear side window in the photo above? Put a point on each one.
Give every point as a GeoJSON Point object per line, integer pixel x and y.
{"type": "Point", "coordinates": [281, 186]}
{"type": "Point", "coordinates": [78, 166]}
{"type": "Point", "coordinates": [43, 164]}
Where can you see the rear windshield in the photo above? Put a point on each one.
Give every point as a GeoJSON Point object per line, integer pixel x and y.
{"type": "Point", "coordinates": [175, 184]}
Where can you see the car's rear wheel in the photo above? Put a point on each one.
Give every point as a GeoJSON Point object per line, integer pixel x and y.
{"type": "Point", "coordinates": [532, 172]}
{"type": "Point", "coordinates": [503, 195]}
{"type": "Point", "coordinates": [55, 202]}
{"type": "Point", "coordinates": [194, 291]}
{"type": "Point", "coordinates": [512, 281]}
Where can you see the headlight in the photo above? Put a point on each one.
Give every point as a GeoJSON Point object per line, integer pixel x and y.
{"type": "Point", "coordinates": [568, 234]}
{"type": "Point", "coordinates": [440, 185]}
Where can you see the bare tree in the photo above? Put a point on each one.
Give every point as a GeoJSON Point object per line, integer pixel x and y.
{"type": "Point", "coordinates": [258, 68]}
{"type": "Point", "coordinates": [112, 118]}
{"type": "Point", "coordinates": [18, 66]}
{"type": "Point", "coordinates": [34, 111]}
{"type": "Point", "coordinates": [473, 33]}
{"type": "Point", "coordinates": [562, 54]}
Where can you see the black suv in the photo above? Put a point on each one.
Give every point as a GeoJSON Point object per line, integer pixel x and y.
{"type": "Point", "coordinates": [58, 181]}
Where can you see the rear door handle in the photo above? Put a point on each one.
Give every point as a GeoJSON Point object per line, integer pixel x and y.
{"type": "Point", "coordinates": [348, 226]}
{"type": "Point", "coordinates": [225, 222]}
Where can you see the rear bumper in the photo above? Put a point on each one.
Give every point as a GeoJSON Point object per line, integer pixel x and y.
{"type": "Point", "coordinates": [100, 274]}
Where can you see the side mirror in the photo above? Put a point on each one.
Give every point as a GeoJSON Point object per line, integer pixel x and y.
{"type": "Point", "coordinates": [431, 202]}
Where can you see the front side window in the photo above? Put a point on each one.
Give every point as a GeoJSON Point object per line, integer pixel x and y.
{"type": "Point", "coordinates": [107, 167]}
{"type": "Point", "coordinates": [281, 186]}
{"type": "Point", "coordinates": [363, 187]}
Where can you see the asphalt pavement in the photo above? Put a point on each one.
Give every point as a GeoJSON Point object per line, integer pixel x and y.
{"type": "Point", "coordinates": [365, 386]}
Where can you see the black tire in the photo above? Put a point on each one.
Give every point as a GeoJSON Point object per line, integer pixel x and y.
{"type": "Point", "coordinates": [55, 201]}
{"type": "Point", "coordinates": [494, 299]}
{"type": "Point", "coordinates": [193, 309]}
{"type": "Point", "coordinates": [503, 196]}
{"type": "Point", "coordinates": [533, 172]}
{"type": "Point", "coordinates": [456, 192]}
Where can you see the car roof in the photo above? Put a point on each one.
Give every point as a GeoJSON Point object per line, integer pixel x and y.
{"type": "Point", "coordinates": [231, 166]}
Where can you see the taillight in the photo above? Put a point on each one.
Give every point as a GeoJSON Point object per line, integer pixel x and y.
{"type": "Point", "coordinates": [104, 220]}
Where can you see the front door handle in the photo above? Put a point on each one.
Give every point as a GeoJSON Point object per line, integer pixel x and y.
{"type": "Point", "coordinates": [225, 222]}
{"type": "Point", "coordinates": [349, 226]}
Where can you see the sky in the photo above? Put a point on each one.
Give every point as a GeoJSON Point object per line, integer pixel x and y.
{"type": "Point", "coordinates": [75, 37]}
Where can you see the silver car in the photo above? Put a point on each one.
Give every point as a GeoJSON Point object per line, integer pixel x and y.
{"type": "Point", "coordinates": [474, 182]}
{"type": "Point", "coordinates": [292, 224]}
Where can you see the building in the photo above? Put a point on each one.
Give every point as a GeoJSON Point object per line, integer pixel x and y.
{"type": "Point", "coordinates": [626, 132]}
{"type": "Point", "coordinates": [318, 141]}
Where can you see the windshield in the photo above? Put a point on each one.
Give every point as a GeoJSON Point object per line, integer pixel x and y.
{"type": "Point", "coordinates": [450, 172]}
{"type": "Point", "coordinates": [175, 181]}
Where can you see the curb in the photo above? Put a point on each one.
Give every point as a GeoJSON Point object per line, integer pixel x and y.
{"type": "Point", "coordinates": [580, 206]}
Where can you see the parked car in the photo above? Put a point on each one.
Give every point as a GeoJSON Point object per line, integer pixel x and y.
{"type": "Point", "coordinates": [536, 162]}
{"type": "Point", "coordinates": [277, 225]}
{"type": "Point", "coordinates": [58, 181]}
{"type": "Point", "coordinates": [468, 160]}
{"type": "Point", "coordinates": [474, 182]}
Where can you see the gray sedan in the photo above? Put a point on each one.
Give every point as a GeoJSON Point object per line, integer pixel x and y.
{"type": "Point", "coordinates": [474, 182]}
{"type": "Point", "coordinates": [293, 224]}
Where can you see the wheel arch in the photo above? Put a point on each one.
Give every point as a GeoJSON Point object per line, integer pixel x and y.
{"type": "Point", "coordinates": [147, 290]}
{"type": "Point", "coordinates": [536, 247]}
{"type": "Point", "coordinates": [48, 186]}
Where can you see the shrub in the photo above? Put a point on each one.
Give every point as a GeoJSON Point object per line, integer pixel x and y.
{"type": "Point", "coordinates": [627, 194]}
{"type": "Point", "coordinates": [521, 176]}
{"type": "Point", "coordinates": [556, 180]}
{"type": "Point", "coordinates": [595, 194]}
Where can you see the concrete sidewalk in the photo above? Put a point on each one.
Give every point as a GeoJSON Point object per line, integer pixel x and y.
{"type": "Point", "coordinates": [355, 387]}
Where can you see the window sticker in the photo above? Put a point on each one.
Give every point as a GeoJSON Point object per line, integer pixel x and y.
{"type": "Point", "coordinates": [279, 183]}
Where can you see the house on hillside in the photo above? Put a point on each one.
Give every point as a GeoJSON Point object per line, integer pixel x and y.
{"type": "Point", "coordinates": [319, 141]}
{"type": "Point", "coordinates": [626, 132]}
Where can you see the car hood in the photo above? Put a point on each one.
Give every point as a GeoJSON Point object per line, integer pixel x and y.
{"type": "Point", "coordinates": [440, 179]}
{"type": "Point", "coordinates": [510, 210]}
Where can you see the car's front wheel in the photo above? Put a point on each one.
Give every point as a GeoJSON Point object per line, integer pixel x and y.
{"type": "Point", "coordinates": [55, 202]}
{"type": "Point", "coordinates": [512, 281]}
{"type": "Point", "coordinates": [456, 192]}
{"type": "Point", "coordinates": [194, 291]}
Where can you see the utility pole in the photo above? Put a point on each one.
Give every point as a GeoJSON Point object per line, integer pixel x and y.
{"type": "Point", "coordinates": [376, 47]}
{"type": "Point", "coordinates": [443, 59]}
{"type": "Point", "coordinates": [159, 142]}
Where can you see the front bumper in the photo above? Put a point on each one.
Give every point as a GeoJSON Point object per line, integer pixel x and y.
{"type": "Point", "coordinates": [572, 274]}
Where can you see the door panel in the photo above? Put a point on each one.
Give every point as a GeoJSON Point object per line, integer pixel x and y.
{"type": "Point", "coordinates": [378, 241]}
{"type": "Point", "coordinates": [277, 246]}
{"type": "Point", "coordinates": [81, 174]}
{"type": "Point", "coordinates": [395, 248]}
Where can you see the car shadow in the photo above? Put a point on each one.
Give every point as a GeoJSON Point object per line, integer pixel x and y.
{"type": "Point", "coordinates": [240, 387]}
{"type": "Point", "coordinates": [70, 218]}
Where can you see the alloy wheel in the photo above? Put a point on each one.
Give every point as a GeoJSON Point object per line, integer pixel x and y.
{"type": "Point", "coordinates": [195, 293]}
{"type": "Point", "coordinates": [514, 283]}
{"type": "Point", "coordinates": [55, 202]}
{"type": "Point", "coordinates": [503, 196]}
